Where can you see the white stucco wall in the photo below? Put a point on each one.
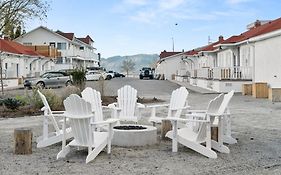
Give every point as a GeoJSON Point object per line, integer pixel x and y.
{"type": "Point", "coordinates": [268, 61]}
{"type": "Point", "coordinates": [172, 65]}
{"type": "Point", "coordinates": [225, 58]}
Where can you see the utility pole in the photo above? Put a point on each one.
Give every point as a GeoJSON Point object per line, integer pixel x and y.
{"type": "Point", "coordinates": [173, 44]}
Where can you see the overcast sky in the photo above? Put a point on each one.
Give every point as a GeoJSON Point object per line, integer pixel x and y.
{"type": "Point", "coordinates": [126, 27]}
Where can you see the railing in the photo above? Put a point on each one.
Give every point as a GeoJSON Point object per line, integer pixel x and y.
{"type": "Point", "coordinates": [223, 73]}
{"type": "Point", "coordinates": [78, 53]}
{"type": "Point", "coordinates": [233, 73]}
{"type": "Point", "coordinates": [205, 73]}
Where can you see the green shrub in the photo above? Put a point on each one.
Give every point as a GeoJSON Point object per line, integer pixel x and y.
{"type": "Point", "coordinates": [70, 90]}
{"type": "Point", "coordinates": [12, 103]}
{"type": "Point", "coordinates": [54, 100]}
{"type": "Point", "coordinates": [23, 99]}
{"type": "Point", "coordinates": [78, 78]}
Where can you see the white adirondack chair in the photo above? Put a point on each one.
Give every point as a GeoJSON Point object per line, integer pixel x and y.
{"type": "Point", "coordinates": [227, 138]}
{"type": "Point", "coordinates": [93, 96]}
{"type": "Point", "coordinates": [83, 124]}
{"type": "Point", "coordinates": [178, 102]}
{"type": "Point", "coordinates": [127, 108]}
{"type": "Point", "coordinates": [50, 138]}
{"type": "Point", "coordinates": [195, 136]}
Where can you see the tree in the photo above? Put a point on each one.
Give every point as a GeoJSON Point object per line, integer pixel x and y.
{"type": "Point", "coordinates": [17, 12]}
{"type": "Point", "coordinates": [14, 14]}
{"type": "Point", "coordinates": [127, 66]}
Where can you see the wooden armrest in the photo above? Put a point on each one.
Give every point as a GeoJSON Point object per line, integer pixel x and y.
{"type": "Point", "coordinates": [108, 121]}
{"type": "Point", "coordinates": [185, 120]}
{"type": "Point", "coordinates": [185, 107]}
{"type": "Point", "coordinates": [139, 105]}
{"type": "Point", "coordinates": [159, 105]}
{"type": "Point", "coordinates": [196, 111]}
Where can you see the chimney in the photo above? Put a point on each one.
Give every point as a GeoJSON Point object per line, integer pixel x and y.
{"type": "Point", "coordinates": [220, 38]}
{"type": "Point", "coordinates": [7, 38]}
{"type": "Point", "coordinates": [257, 23]}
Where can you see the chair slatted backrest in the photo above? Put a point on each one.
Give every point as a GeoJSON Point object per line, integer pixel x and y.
{"type": "Point", "coordinates": [127, 100]}
{"type": "Point", "coordinates": [226, 100]}
{"type": "Point", "coordinates": [49, 111]}
{"type": "Point", "coordinates": [178, 100]}
{"type": "Point", "coordinates": [79, 113]}
{"type": "Point", "coordinates": [92, 96]}
{"type": "Point", "coordinates": [213, 108]}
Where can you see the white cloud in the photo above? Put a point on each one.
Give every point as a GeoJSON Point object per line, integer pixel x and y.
{"type": "Point", "coordinates": [142, 16]}
{"type": "Point", "coordinates": [236, 1]}
{"type": "Point", "coordinates": [170, 4]}
{"type": "Point", "coordinates": [135, 2]}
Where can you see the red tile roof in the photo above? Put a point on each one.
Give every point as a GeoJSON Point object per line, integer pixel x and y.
{"type": "Point", "coordinates": [191, 52]}
{"type": "Point", "coordinates": [165, 54]}
{"type": "Point", "coordinates": [211, 47]}
{"type": "Point", "coordinates": [14, 47]}
{"type": "Point", "coordinates": [86, 40]}
{"type": "Point", "coordinates": [256, 31]}
{"type": "Point", "coordinates": [66, 35]}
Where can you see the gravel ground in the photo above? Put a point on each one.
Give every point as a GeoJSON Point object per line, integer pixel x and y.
{"type": "Point", "coordinates": [256, 124]}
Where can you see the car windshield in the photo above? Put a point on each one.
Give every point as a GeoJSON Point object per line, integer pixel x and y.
{"type": "Point", "coordinates": [146, 68]}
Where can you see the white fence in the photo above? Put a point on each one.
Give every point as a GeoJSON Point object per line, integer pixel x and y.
{"type": "Point", "coordinates": [223, 73]}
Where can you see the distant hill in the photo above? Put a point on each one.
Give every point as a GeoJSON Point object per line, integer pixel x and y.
{"type": "Point", "coordinates": [141, 60]}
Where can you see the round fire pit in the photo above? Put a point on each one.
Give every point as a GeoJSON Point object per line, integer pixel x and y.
{"type": "Point", "coordinates": [134, 135]}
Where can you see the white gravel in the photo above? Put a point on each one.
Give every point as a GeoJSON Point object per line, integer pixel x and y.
{"type": "Point", "coordinates": [256, 125]}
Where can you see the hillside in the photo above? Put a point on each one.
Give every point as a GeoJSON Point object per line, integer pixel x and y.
{"type": "Point", "coordinates": [140, 60]}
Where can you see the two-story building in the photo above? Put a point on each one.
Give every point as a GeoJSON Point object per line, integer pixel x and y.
{"type": "Point", "coordinates": [75, 52]}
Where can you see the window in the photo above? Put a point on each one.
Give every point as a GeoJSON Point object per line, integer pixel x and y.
{"type": "Point", "coordinates": [6, 66]}
{"type": "Point", "coordinates": [61, 46]}
{"type": "Point", "coordinates": [81, 48]}
{"type": "Point", "coordinates": [27, 44]}
{"type": "Point", "coordinates": [52, 44]}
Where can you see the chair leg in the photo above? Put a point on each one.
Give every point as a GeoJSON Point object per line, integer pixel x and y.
{"type": "Point", "coordinates": [175, 136]}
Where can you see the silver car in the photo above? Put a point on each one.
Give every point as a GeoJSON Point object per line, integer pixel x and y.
{"type": "Point", "coordinates": [49, 79]}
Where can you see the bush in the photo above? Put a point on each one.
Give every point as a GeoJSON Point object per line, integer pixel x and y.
{"type": "Point", "coordinates": [54, 100]}
{"type": "Point", "coordinates": [12, 103]}
{"type": "Point", "coordinates": [23, 99]}
{"type": "Point", "coordinates": [78, 78]}
{"type": "Point", "coordinates": [70, 90]}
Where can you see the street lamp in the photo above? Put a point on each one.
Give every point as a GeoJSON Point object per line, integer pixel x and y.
{"type": "Point", "coordinates": [173, 40]}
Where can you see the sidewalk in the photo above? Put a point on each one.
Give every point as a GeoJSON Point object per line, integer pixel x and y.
{"type": "Point", "coordinates": [194, 88]}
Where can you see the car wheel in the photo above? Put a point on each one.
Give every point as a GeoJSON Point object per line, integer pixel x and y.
{"type": "Point", "coordinates": [108, 77]}
{"type": "Point", "coordinates": [68, 83]}
{"type": "Point", "coordinates": [40, 85]}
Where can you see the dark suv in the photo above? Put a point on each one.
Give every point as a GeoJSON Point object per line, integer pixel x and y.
{"type": "Point", "coordinates": [146, 72]}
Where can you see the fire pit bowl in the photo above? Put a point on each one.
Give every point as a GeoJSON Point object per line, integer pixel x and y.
{"type": "Point", "coordinates": [134, 135]}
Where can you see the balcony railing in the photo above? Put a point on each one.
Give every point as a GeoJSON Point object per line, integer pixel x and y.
{"type": "Point", "coordinates": [205, 73]}
{"type": "Point", "coordinates": [78, 53]}
{"type": "Point", "coordinates": [223, 73]}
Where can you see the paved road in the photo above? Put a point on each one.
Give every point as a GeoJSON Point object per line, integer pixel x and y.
{"type": "Point", "coordinates": [146, 88]}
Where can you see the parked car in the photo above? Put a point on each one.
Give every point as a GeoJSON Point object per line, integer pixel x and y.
{"type": "Point", "coordinates": [146, 72]}
{"type": "Point", "coordinates": [94, 75]}
{"type": "Point", "coordinates": [49, 79]}
{"type": "Point", "coordinates": [110, 74]}
{"type": "Point", "coordinates": [116, 74]}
